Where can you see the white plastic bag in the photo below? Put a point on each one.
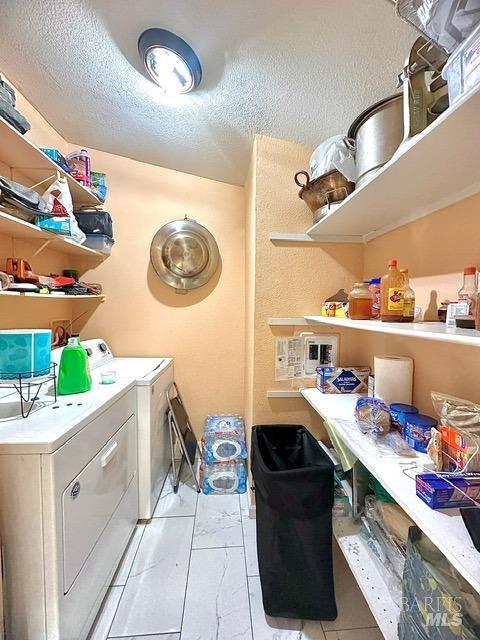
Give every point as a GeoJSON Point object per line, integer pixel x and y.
{"type": "Point", "coordinates": [334, 153]}
{"type": "Point", "coordinates": [59, 199]}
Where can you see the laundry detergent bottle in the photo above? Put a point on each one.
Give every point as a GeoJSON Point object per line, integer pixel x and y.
{"type": "Point", "coordinates": [73, 372]}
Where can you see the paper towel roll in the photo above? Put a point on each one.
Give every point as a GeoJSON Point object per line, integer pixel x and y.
{"type": "Point", "coordinates": [393, 379]}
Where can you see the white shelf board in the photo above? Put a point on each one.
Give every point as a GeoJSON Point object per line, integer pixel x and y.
{"type": "Point", "coordinates": [436, 168]}
{"type": "Point", "coordinates": [444, 528]}
{"type": "Point", "coordinates": [372, 584]}
{"type": "Point", "coordinates": [437, 331]}
{"type": "Point", "coordinates": [277, 236]}
{"type": "Point", "coordinates": [48, 296]}
{"type": "Point", "coordinates": [283, 393]}
{"type": "Point", "coordinates": [289, 322]}
{"type": "Point", "coordinates": [16, 228]}
{"type": "Point", "coordinates": [20, 154]}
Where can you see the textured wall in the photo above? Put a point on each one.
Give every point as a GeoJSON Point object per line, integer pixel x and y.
{"type": "Point", "coordinates": [290, 280]}
{"type": "Point", "coordinates": [203, 330]}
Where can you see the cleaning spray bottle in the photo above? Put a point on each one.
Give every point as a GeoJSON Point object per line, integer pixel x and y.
{"type": "Point", "coordinates": [74, 372]}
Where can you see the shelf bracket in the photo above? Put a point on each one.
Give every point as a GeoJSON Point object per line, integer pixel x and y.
{"type": "Point", "coordinates": [40, 249]}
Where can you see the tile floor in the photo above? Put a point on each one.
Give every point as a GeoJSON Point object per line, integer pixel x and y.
{"type": "Point", "coordinates": [192, 574]}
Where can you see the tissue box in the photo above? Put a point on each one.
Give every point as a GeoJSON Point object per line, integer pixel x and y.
{"type": "Point", "coordinates": [437, 490]}
{"type": "Point", "coordinates": [342, 379]}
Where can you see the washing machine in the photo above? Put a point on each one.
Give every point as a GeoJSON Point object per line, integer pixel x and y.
{"type": "Point", "coordinates": [153, 376]}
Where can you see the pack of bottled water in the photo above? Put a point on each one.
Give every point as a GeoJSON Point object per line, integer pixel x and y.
{"type": "Point", "coordinates": [223, 477]}
{"type": "Point", "coordinates": [223, 453]}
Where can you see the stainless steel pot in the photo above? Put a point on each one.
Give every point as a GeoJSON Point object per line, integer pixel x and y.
{"type": "Point", "coordinates": [378, 132]}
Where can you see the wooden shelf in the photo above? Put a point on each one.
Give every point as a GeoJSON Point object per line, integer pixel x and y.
{"type": "Point", "coordinates": [16, 228]}
{"type": "Point", "coordinates": [437, 331]}
{"type": "Point", "coordinates": [289, 322]}
{"type": "Point", "coordinates": [435, 169]}
{"type": "Point", "coordinates": [371, 582]}
{"type": "Point", "coordinates": [20, 154]}
{"type": "Point", "coordinates": [444, 528]}
{"type": "Point", "coordinates": [304, 237]}
{"type": "Point", "coordinates": [46, 296]}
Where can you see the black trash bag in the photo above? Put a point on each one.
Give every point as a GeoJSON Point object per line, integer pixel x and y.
{"type": "Point", "coordinates": [294, 492]}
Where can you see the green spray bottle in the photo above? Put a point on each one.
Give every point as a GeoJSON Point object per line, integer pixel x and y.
{"type": "Point", "coordinates": [73, 372]}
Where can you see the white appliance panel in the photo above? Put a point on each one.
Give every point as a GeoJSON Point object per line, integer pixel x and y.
{"type": "Point", "coordinates": [92, 497]}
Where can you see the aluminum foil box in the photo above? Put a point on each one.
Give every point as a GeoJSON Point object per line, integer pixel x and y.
{"type": "Point", "coordinates": [342, 379]}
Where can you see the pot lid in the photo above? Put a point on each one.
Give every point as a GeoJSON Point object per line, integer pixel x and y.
{"type": "Point", "coordinates": [184, 254]}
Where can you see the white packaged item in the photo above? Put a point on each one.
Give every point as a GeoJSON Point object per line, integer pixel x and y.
{"type": "Point", "coordinates": [455, 309]}
{"type": "Point", "coordinates": [58, 195]}
{"type": "Point", "coordinates": [393, 379]}
{"type": "Point", "coordinates": [462, 71]}
{"type": "Point", "coordinates": [334, 153]}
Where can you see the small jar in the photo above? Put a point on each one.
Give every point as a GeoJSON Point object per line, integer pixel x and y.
{"type": "Point", "coordinates": [360, 302]}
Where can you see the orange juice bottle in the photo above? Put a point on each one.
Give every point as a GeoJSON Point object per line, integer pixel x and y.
{"type": "Point", "coordinates": [392, 290]}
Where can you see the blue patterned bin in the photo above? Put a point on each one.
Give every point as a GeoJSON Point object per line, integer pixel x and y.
{"type": "Point", "coordinates": [25, 351]}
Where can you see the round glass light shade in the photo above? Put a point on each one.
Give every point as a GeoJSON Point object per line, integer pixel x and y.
{"type": "Point", "coordinates": [169, 70]}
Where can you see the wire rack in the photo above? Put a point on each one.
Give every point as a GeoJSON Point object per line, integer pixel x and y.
{"type": "Point", "coordinates": [28, 385]}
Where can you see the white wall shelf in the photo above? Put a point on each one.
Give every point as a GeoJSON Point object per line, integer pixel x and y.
{"type": "Point", "coordinates": [372, 584]}
{"type": "Point", "coordinates": [304, 237]}
{"type": "Point", "coordinates": [444, 528]}
{"type": "Point", "coordinates": [20, 154]}
{"type": "Point", "coordinates": [283, 393]}
{"type": "Point", "coordinates": [289, 322]}
{"type": "Point", "coordinates": [437, 331]}
{"type": "Point", "coordinates": [19, 229]}
{"type": "Point", "coordinates": [49, 296]}
{"type": "Point", "coordinates": [438, 167]}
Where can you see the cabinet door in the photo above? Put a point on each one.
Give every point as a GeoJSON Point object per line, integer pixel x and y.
{"type": "Point", "coordinates": [91, 498]}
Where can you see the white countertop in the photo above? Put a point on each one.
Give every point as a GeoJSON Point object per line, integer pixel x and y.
{"type": "Point", "coordinates": [50, 426]}
{"type": "Point", "coordinates": [444, 528]}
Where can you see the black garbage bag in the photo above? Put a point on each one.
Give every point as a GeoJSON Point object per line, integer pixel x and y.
{"type": "Point", "coordinates": [294, 492]}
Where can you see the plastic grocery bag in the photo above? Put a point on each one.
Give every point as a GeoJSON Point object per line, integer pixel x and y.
{"type": "Point", "coordinates": [60, 204]}
{"type": "Point", "coordinates": [336, 152]}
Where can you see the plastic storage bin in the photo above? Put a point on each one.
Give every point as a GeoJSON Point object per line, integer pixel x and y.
{"type": "Point", "coordinates": [25, 352]}
{"type": "Point", "coordinates": [99, 242]}
{"type": "Point", "coordinates": [294, 494]}
{"type": "Point", "coordinates": [462, 71]}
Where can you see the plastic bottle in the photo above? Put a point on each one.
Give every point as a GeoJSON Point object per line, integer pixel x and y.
{"type": "Point", "coordinates": [376, 298]}
{"type": "Point", "coordinates": [408, 299]}
{"type": "Point", "coordinates": [73, 372]}
{"type": "Point", "coordinates": [360, 302]}
{"type": "Point", "coordinates": [468, 292]}
{"type": "Point", "coordinates": [392, 288]}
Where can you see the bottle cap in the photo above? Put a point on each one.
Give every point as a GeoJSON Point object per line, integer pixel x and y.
{"type": "Point", "coordinates": [470, 271]}
{"type": "Point", "coordinates": [375, 281]}
{"type": "Point", "coordinates": [393, 262]}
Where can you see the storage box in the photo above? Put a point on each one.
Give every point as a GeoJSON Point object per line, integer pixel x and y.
{"type": "Point", "coordinates": [99, 242]}
{"type": "Point", "coordinates": [57, 157]}
{"type": "Point", "coordinates": [25, 353]}
{"type": "Point", "coordinates": [56, 224]}
{"type": "Point", "coordinates": [342, 379]}
{"type": "Point", "coordinates": [458, 449]}
{"type": "Point", "coordinates": [335, 309]}
{"type": "Point", "coordinates": [462, 71]}
{"type": "Point", "coordinates": [447, 490]}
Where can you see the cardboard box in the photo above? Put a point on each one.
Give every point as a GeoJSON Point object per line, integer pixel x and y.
{"type": "Point", "coordinates": [448, 490]}
{"type": "Point", "coordinates": [342, 379]}
{"type": "Point", "coordinates": [335, 309]}
{"type": "Point", "coordinates": [458, 449]}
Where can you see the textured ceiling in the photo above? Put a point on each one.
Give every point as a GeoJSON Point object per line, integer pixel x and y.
{"type": "Point", "coordinates": [295, 70]}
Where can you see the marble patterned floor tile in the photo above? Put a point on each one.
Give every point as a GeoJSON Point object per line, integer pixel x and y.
{"type": "Point", "coordinates": [217, 606]}
{"type": "Point", "coordinates": [182, 503]}
{"type": "Point", "coordinates": [249, 537]}
{"type": "Point", "coordinates": [347, 592]}
{"type": "Point", "coordinates": [218, 522]}
{"type": "Point", "coordinates": [105, 617]}
{"type": "Point", "coordinates": [268, 628]}
{"type": "Point", "coordinates": [153, 598]}
{"type": "Point", "coordinates": [157, 636]}
{"type": "Point", "coordinates": [121, 575]}
{"type": "Point", "coordinates": [372, 633]}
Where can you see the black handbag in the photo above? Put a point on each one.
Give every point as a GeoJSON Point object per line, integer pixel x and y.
{"type": "Point", "coordinates": [95, 222]}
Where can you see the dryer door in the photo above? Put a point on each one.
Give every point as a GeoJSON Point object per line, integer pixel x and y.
{"type": "Point", "coordinates": [92, 497]}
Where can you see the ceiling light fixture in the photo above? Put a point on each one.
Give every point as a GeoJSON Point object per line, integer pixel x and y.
{"type": "Point", "coordinates": [170, 61]}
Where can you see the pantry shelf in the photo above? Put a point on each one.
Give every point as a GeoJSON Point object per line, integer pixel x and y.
{"type": "Point", "coordinates": [437, 168]}
{"type": "Point", "coordinates": [46, 296]}
{"type": "Point", "coordinates": [16, 228]}
{"type": "Point", "coordinates": [444, 528]}
{"type": "Point", "coordinates": [21, 155]}
{"type": "Point", "coordinates": [372, 584]}
{"type": "Point", "coordinates": [437, 331]}
{"type": "Point", "coordinates": [277, 236]}
{"type": "Point", "coordinates": [283, 393]}
{"type": "Point", "coordinates": [288, 322]}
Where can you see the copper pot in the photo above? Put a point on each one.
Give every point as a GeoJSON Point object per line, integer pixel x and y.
{"type": "Point", "coordinates": [327, 189]}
